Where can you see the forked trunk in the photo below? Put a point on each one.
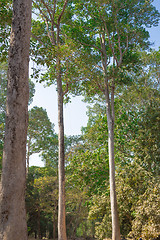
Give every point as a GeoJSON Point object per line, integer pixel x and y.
{"type": "Point", "coordinates": [12, 193]}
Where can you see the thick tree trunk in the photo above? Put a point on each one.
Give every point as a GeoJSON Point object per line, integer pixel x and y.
{"type": "Point", "coordinates": [61, 161]}
{"type": "Point", "coordinates": [12, 193]}
{"type": "Point", "coordinates": [113, 198]}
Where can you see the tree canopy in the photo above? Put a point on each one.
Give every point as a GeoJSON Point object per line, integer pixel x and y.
{"type": "Point", "coordinates": [99, 50]}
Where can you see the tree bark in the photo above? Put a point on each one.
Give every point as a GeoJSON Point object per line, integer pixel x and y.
{"type": "Point", "coordinates": [39, 224]}
{"type": "Point", "coordinates": [12, 189]}
{"type": "Point", "coordinates": [61, 160]}
{"type": "Point", "coordinates": [113, 198]}
{"type": "Point", "coordinates": [28, 155]}
{"type": "Point", "coordinates": [54, 226]}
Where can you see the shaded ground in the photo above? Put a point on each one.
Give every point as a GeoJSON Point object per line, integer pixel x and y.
{"type": "Point", "coordinates": [68, 239]}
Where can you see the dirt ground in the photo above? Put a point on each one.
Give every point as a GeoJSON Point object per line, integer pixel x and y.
{"type": "Point", "coordinates": [57, 239]}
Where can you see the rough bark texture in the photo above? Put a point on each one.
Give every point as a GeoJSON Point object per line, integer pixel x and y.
{"type": "Point", "coordinates": [61, 161]}
{"type": "Point", "coordinates": [12, 189]}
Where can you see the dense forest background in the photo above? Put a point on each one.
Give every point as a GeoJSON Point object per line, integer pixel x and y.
{"type": "Point", "coordinates": [94, 35]}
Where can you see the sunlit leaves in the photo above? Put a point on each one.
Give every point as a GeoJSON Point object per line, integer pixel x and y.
{"type": "Point", "coordinates": [5, 26]}
{"type": "Point", "coordinates": [40, 130]}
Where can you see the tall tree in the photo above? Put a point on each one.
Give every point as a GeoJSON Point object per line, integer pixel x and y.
{"type": "Point", "coordinates": [40, 133]}
{"type": "Point", "coordinates": [50, 43]}
{"type": "Point", "coordinates": [3, 95]}
{"type": "Point", "coordinates": [12, 198]}
{"type": "Point", "coordinates": [3, 90]}
{"type": "Point", "coordinates": [111, 30]}
{"type": "Point", "coordinates": [42, 202]}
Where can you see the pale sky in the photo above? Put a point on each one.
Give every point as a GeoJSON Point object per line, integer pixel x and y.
{"type": "Point", "coordinates": [74, 112]}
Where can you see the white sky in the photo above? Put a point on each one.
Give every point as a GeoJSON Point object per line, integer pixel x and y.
{"type": "Point", "coordinates": [74, 112]}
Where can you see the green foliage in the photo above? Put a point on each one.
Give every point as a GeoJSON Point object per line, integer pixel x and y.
{"type": "Point", "coordinates": [91, 169]}
{"type": "Point", "coordinates": [89, 159]}
{"type": "Point", "coordinates": [5, 12]}
{"type": "Point", "coordinates": [113, 31]}
{"type": "Point", "coordinates": [41, 200]}
{"type": "Point", "coordinates": [42, 203]}
{"type": "Point", "coordinates": [41, 137]}
{"type": "Point", "coordinates": [147, 146]}
{"type": "Point", "coordinates": [137, 193]}
{"type": "Point", "coordinates": [146, 222]}
{"type": "Point", "coordinates": [137, 158]}
{"type": "Point", "coordinates": [50, 43]}
{"type": "Point", "coordinates": [83, 26]}
{"type": "Point", "coordinates": [5, 26]}
{"type": "Point", "coordinates": [76, 210]}
{"type": "Point", "coordinates": [40, 129]}
{"type": "Point", "coordinates": [101, 214]}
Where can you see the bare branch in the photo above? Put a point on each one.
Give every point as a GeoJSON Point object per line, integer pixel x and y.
{"type": "Point", "coordinates": [112, 101]}
{"type": "Point", "coordinates": [93, 46]}
{"type": "Point", "coordinates": [100, 87]}
{"type": "Point", "coordinates": [48, 32]}
{"type": "Point", "coordinates": [46, 19]}
{"type": "Point", "coordinates": [52, 27]}
{"type": "Point", "coordinates": [63, 9]}
{"type": "Point", "coordinates": [66, 90]}
{"type": "Point", "coordinates": [108, 104]}
{"type": "Point", "coordinates": [119, 47]}
{"type": "Point", "coordinates": [37, 38]}
{"type": "Point", "coordinates": [107, 60]}
{"type": "Point", "coordinates": [53, 34]}
{"type": "Point", "coordinates": [42, 13]}
{"type": "Point", "coordinates": [106, 29]}
{"type": "Point", "coordinates": [58, 33]}
{"type": "Point", "coordinates": [54, 8]}
{"type": "Point", "coordinates": [126, 47]}
{"type": "Point", "coordinates": [48, 10]}
{"type": "Point", "coordinates": [119, 39]}
{"type": "Point", "coordinates": [110, 42]}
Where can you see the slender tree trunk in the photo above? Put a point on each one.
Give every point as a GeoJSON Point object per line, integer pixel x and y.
{"type": "Point", "coordinates": [61, 160]}
{"type": "Point", "coordinates": [113, 198]}
{"type": "Point", "coordinates": [54, 226]}
{"type": "Point", "coordinates": [39, 224]}
{"type": "Point", "coordinates": [28, 151]}
{"type": "Point", "coordinates": [76, 223]}
{"type": "Point", "coordinates": [12, 193]}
